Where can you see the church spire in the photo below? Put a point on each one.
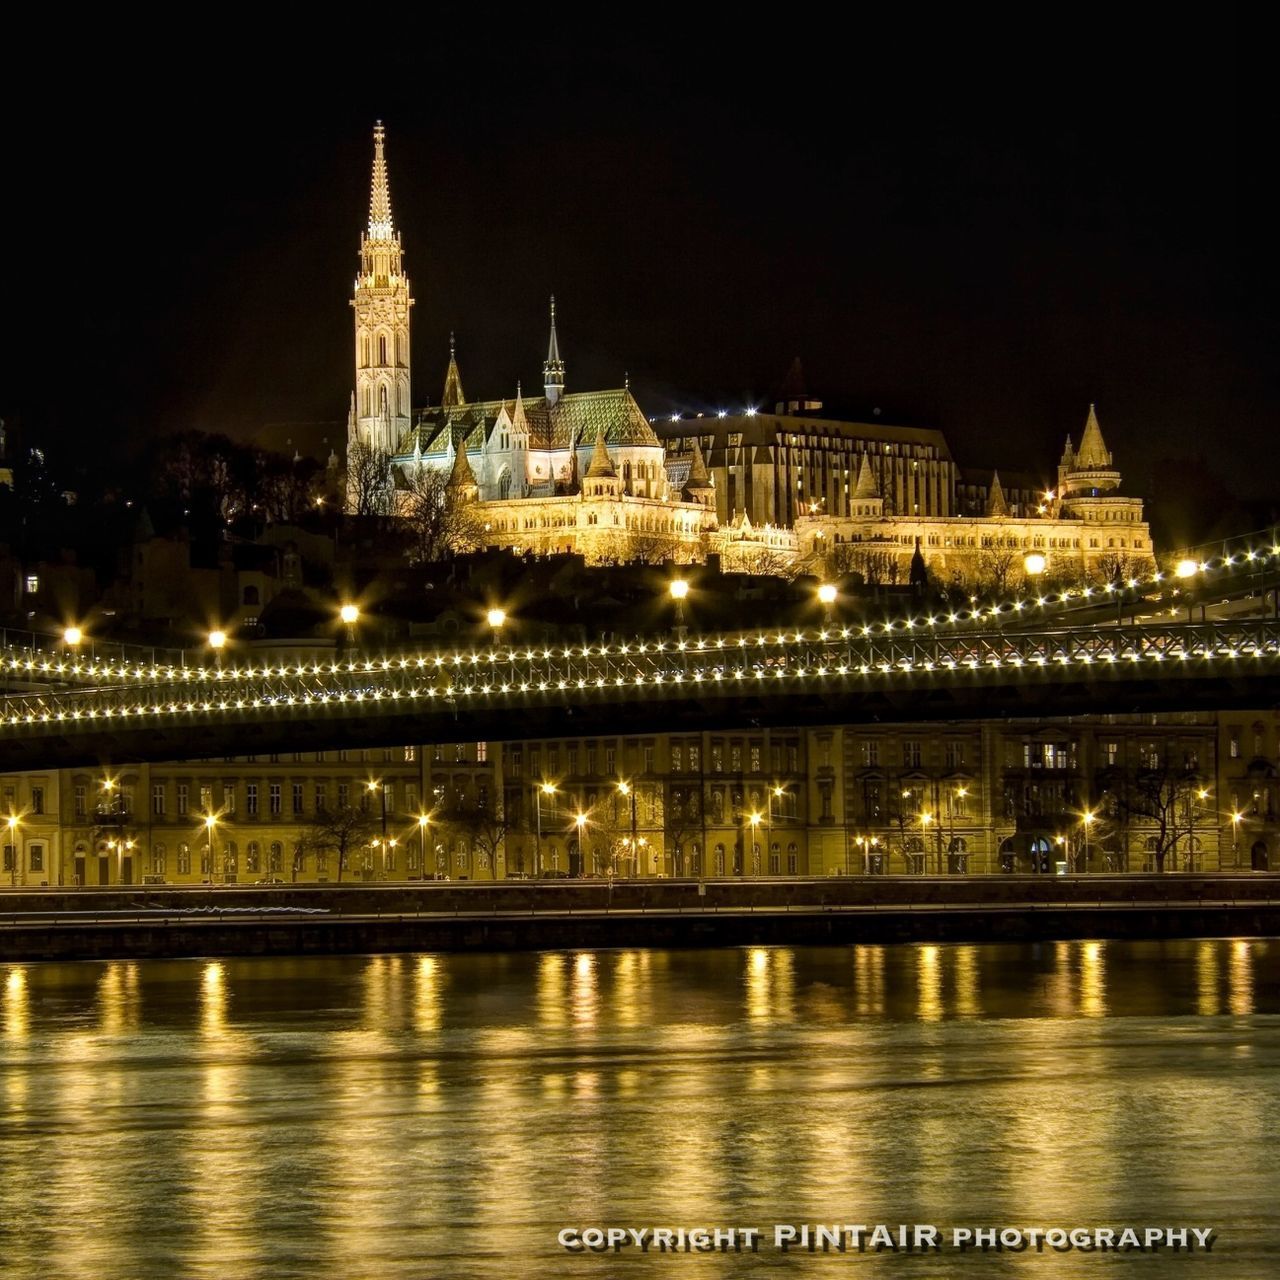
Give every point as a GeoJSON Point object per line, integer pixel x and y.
{"type": "Point", "coordinates": [865, 486]}
{"type": "Point", "coordinates": [553, 367]}
{"type": "Point", "coordinates": [601, 466]}
{"type": "Point", "coordinates": [380, 192]}
{"type": "Point", "coordinates": [453, 394]}
{"type": "Point", "coordinates": [996, 504]}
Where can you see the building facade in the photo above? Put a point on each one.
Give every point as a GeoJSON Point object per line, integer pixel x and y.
{"type": "Point", "coordinates": [1193, 791]}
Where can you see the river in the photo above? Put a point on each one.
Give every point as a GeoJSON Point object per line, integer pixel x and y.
{"type": "Point", "coordinates": [446, 1116]}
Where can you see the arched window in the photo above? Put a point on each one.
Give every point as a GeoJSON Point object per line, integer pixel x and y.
{"type": "Point", "coordinates": [277, 857]}
{"type": "Point", "coordinates": [718, 864]}
{"type": "Point", "coordinates": [184, 859]}
{"type": "Point", "coordinates": [253, 859]}
{"type": "Point", "coordinates": [792, 857]}
{"type": "Point", "coordinates": [504, 485]}
{"type": "Point", "coordinates": [775, 858]}
{"type": "Point", "coordinates": [158, 860]}
{"type": "Point", "coordinates": [382, 348]}
{"type": "Point", "coordinates": [364, 351]}
{"type": "Point", "coordinates": [251, 595]}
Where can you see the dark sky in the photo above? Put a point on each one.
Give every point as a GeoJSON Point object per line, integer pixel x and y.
{"type": "Point", "coordinates": [968, 222]}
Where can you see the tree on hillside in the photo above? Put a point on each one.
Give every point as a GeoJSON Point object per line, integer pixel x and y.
{"type": "Point", "coordinates": [436, 523]}
{"type": "Point", "coordinates": [368, 480]}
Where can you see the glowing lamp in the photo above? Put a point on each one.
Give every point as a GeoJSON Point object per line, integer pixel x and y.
{"type": "Point", "coordinates": [679, 589]}
{"type": "Point", "coordinates": [349, 614]}
{"type": "Point", "coordinates": [496, 617]}
{"type": "Point", "coordinates": [1035, 563]}
{"type": "Point", "coordinates": [827, 593]}
{"type": "Point", "coordinates": [1186, 569]}
{"type": "Point", "coordinates": [73, 635]}
{"type": "Point", "coordinates": [217, 639]}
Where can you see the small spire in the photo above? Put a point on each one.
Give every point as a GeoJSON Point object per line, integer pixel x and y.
{"type": "Point", "coordinates": [553, 368]}
{"type": "Point", "coordinates": [453, 395]}
{"type": "Point", "coordinates": [866, 486]}
{"type": "Point", "coordinates": [461, 476]}
{"type": "Point", "coordinates": [996, 504]}
{"type": "Point", "coordinates": [1093, 450]}
{"type": "Point", "coordinates": [698, 478]}
{"type": "Point", "coordinates": [380, 227]}
{"type": "Point", "coordinates": [601, 466]}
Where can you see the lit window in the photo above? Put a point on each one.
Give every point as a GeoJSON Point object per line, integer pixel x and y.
{"type": "Point", "coordinates": [33, 583]}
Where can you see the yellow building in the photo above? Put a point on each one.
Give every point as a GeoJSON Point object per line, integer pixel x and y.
{"type": "Point", "coordinates": [1193, 791]}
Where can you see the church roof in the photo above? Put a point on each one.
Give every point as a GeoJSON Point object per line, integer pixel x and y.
{"type": "Point", "coordinates": [698, 477]}
{"type": "Point", "coordinates": [571, 422]}
{"type": "Point", "coordinates": [453, 395]}
{"type": "Point", "coordinates": [461, 475]}
{"type": "Point", "coordinates": [996, 504]}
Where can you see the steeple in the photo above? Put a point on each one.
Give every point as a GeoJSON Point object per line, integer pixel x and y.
{"type": "Point", "coordinates": [519, 419]}
{"type": "Point", "coordinates": [553, 368]}
{"type": "Point", "coordinates": [996, 504]}
{"type": "Point", "coordinates": [1092, 453]}
{"type": "Point", "coordinates": [601, 465]}
{"type": "Point", "coordinates": [866, 486]}
{"type": "Point", "coordinates": [380, 191]}
{"type": "Point", "coordinates": [381, 304]}
{"type": "Point", "coordinates": [698, 478]}
{"type": "Point", "coordinates": [453, 394]}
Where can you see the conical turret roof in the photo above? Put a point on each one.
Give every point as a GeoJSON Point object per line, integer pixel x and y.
{"type": "Point", "coordinates": [453, 394]}
{"type": "Point", "coordinates": [698, 477]}
{"type": "Point", "coordinates": [461, 475]}
{"type": "Point", "coordinates": [996, 504]}
{"type": "Point", "coordinates": [866, 486]}
{"type": "Point", "coordinates": [601, 466]}
{"type": "Point", "coordinates": [1093, 450]}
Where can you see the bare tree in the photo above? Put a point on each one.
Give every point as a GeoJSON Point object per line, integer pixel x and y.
{"type": "Point", "coordinates": [875, 567]}
{"type": "Point", "coordinates": [484, 823]}
{"type": "Point", "coordinates": [1157, 799]}
{"type": "Point", "coordinates": [995, 567]}
{"type": "Point", "coordinates": [683, 815]}
{"type": "Point", "coordinates": [368, 480]}
{"type": "Point", "coordinates": [340, 831]}
{"type": "Point", "coordinates": [437, 523]}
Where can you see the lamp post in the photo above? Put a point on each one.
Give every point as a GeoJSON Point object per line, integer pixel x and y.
{"type": "Point", "coordinates": [827, 595]}
{"type": "Point", "coordinates": [679, 591]}
{"type": "Point", "coordinates": [375, 784]}
{"type": "Point", "coordinates": [778, 791]}
{"type": "Point", "coordinates": [210, 827]}
{"type": "Point", "coordinates": [626, 789]}
{"type": "Point", "coordinates": [72, 636]}
{"type": "Point", "coordinates": [496, 618]}
{"type": "Point", "coordinates": [1185, 570]}
{"type": "Point", "coordinates": [1199, 797]}
{"type": "Point", "coordinates": [217, 639]}
{"type": "Point", "coordinates": [1086, 821]}
{"type": "Point", "coordinates": [423, 821]}
{"type": "Point", "coordinates": [926, 821]}
{"type": "Point", "coordinates": [580, 826]}
{"type": "Point", "coordinates": [1236, 815]}
{"type": "Point", "coordinates": [14, 823]}
{"type": "Point", "coordinates": [350, 615]}
{"type": "Point", "coordinates": [754, 819]}
{"type": "Point", "coordinates": [543, 789]}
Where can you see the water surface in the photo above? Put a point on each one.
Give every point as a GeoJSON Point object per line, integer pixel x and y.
{"type": "Point", "coordinates": [442, 1116]}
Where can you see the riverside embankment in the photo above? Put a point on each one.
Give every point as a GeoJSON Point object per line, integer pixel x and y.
{"type": "Point", "coordinates": [524, 915]}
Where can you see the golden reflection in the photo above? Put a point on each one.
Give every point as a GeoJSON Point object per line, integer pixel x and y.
{"type": "Point", "coordinates": [868, 980]}
{"type": "Point", "coordinates": [586, 990]}
{"type": "Point", "coordinates": [1241, 978]}
{"type": "Point", "coordinates": [625, 1005]}
{"type": "Point", "coordinates": [770, 984]}
{"type": "Point", "coordinates": [928, 983]}
{"type": "Point", "coordinates": [965, 961]}
{"type": "Point", "coordinates": [551, 989]}
{"type": "Point", "coordinates": [1208, 995]}
{"type": "Point", "coordinates": [428, 994]}
{"type": "Point", "coordinates": [213, 1000]}
{"type": "Point", "coordinates": [1060, 989]}
{"type": "Point", "coordinates": [17, 1004]}
{"type": "Point", "coordinates": [1093, 980]}
{"type": "Point", "coordinates": [119, 1003]}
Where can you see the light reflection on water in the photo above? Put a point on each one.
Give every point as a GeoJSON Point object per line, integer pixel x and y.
{"type": "Point", "coordinates": [423, 1116]}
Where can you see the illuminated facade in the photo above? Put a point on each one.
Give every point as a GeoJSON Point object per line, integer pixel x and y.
{"type": "Point", "coordinates": [586, 472]}
{"type": "Point", "coordinates": [1194, 791]}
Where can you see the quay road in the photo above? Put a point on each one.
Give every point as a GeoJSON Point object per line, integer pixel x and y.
{"type": "Point", "coordinates": [512, 692]}
{"type": "Point", "coordinates": [448, 917]}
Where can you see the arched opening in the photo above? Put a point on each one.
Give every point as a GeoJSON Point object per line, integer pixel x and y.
{"type": "Point", "coordinates": [1258, 856]}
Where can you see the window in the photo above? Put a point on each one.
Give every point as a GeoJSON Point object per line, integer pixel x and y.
{"type": "Point", "coordinates": [229, 797]}
{"type": "Point", "coordinates": [677, 759]}
{"type": "Point", "coordinates": [33, 583]}
{"type": "Point", "coordinates": [250, 799]}
{"type": "Point", "coordinates": [410, 754]}
{"type": "Point", "coordinates": [321, 797]}
{"type": "Point", "coordinates": [1110, 753]}
{"type": "Point", "coordinates": [252, 858]}
{"type": "Point", "coordinates": [276, 857]}
{"type": "Point", "coordinates": [8, 858]}
{"type": "Point", "coordinates": [344, 795]}
{"type": "Point", "coordinates": [695, 757]}
{"type": "Point", "coordinates": [610, 760]}
{"type": "Point", "coordinates": [36, 854]}
{"type": "Point", "coordinates": [297, 798]}
{"type": "Point", "coordinates": [184, 859]}
{"type": "Point", "coordinates": [717, 757]}
{"type": "Point", "coordinates": [157, 799]}
{"type": "Point", "coordinates": [591, 758]}
{"type": "Point", "coordinates": [37, 799]}
{"type": "Point", "coordinates": [735, 757]}
{"type": "Point", "coordinates": [411, 797]}
{"type": "Point", "coordinates": [206, 798]}
{"type": "Point", "coordinates": [648, 758]}
{"type": "Point", "coordinates": [517, 762]}
{"type": "Point", "coordinates": [182, 799]}
{"type": "Point", "coordinates": [81, 801]}
{"type": "Point", "coordinates": [955, 755]}
{"type": "Point", "coordinates": [755, 757]}
{"type": "Point", "coordinates": [1233, 749]}
{"type": "Point", "coordinates": [572, 754]}
{"type": "Point", "coordinates": [158, 860]}
{"type": "Point", "coordinates": [911, 753]}
{"type": "Point", "coordinates": [273, 799]}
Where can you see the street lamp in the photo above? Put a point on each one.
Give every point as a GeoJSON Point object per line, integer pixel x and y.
{"type": "Point", "coordinates": [350, 615]}
{"type": "Point", "coordinates": [1186, 570]}
{"type": "Point", "coordinates": [375, 784]}
{"type": "Point", "coordinates": [1236, 815]}
{"type": "Point", "coordinates": [1200, 796]}
{"type": "Point", "coordinates": [423, 821]}
{"type": "Point", "coordinates": [827, 596]}
{"type": "Point", "coordinates": [626, 789]}
{"type": "Point", "coordinates": [14, 823]}
{"type": "Point", "coordinates": [544, 789]}
{"type": "Point", "coordinates": [580, 825]}
{"type": "Point", "coordinates": [210, 823]}
{"type": "Point", "coordinates": [755, 833]}
{"type": "Point", "coordinates": [926, 820]}
{"type": "Point", "coordinates": [679, 591]}
{"type": "Point", "coordinates": [1034, 563]}
{"type": "Point", "coordinates": [217, 639]}
{"type": "Point", "coordinates": [1086, 821]}
{"type": "Point", "coordinates": [496, 618]}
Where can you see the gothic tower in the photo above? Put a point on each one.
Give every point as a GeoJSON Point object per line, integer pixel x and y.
{"type": "Point", "coordinates": [553, 366]}
{"type": "Point", "coordinates": [381, 302]}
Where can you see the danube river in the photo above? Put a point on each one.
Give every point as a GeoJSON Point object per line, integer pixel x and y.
{"type": "Point", "coordinates": [446, 1116]}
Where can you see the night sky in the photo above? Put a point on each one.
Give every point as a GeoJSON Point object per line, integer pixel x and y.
{"type": "Point", "coordinates": [966, 223]}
